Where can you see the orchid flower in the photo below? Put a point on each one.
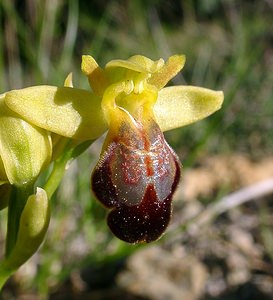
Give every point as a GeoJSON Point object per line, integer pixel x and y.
{"type": "Point", "coordinates": [137, 172]}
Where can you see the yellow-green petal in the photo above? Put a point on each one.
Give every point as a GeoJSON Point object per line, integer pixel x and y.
{"type": "Point", "coordinates": [68, 82]}
{"type": "Point", "coordinates": [24, 148]}
{"type": "Point", "coordinates": [182, 105]}
{"type": "Point", "coordinates": [96, 75]}
{"type": "Point", "coordinates": [66, 111]}
{"type": "Point", "coordinates": [173, 65]}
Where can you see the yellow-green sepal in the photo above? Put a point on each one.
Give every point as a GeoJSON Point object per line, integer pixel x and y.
{"type": "Point", "coordinates": [182, 105]}
{"type": "Point", "coordinates": [138, 63]}
{"type": "Point", "coordinates": [157, 73]}
{"type": "Point", "coordinates": [24, 148]}
{"type": "Point", "coordinates": [67, 111]}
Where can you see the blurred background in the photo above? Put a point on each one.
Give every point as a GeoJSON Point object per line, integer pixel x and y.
{"type": "Point", "coordinates": [207, 252]}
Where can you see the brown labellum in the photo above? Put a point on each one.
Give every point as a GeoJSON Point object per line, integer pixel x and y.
{"type": "Point", "coordinates": [136, 177]}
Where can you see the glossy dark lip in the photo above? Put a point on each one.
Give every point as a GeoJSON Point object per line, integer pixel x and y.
{"type": "Point", "coordinates": [145, 222]}
{"type": "Point", "coordinates": [146, 219]}
{"type": "Point", "coordinates": [141, 223]}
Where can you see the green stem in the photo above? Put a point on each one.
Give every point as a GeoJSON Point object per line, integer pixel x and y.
{"type": "Point", "coordinates": [60, 166]}
{"type": "Point", "coordinates": [4, 274]}
{"type": "Point", "coordinates": [18, 199]}
{"type": "Point", "coordinates": [57, 174]}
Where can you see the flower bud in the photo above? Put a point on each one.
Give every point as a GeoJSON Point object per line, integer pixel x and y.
{"type": "Point", "coordinates": [32, 228]}
{"type": "Point", "coordinates": [24, 148]}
